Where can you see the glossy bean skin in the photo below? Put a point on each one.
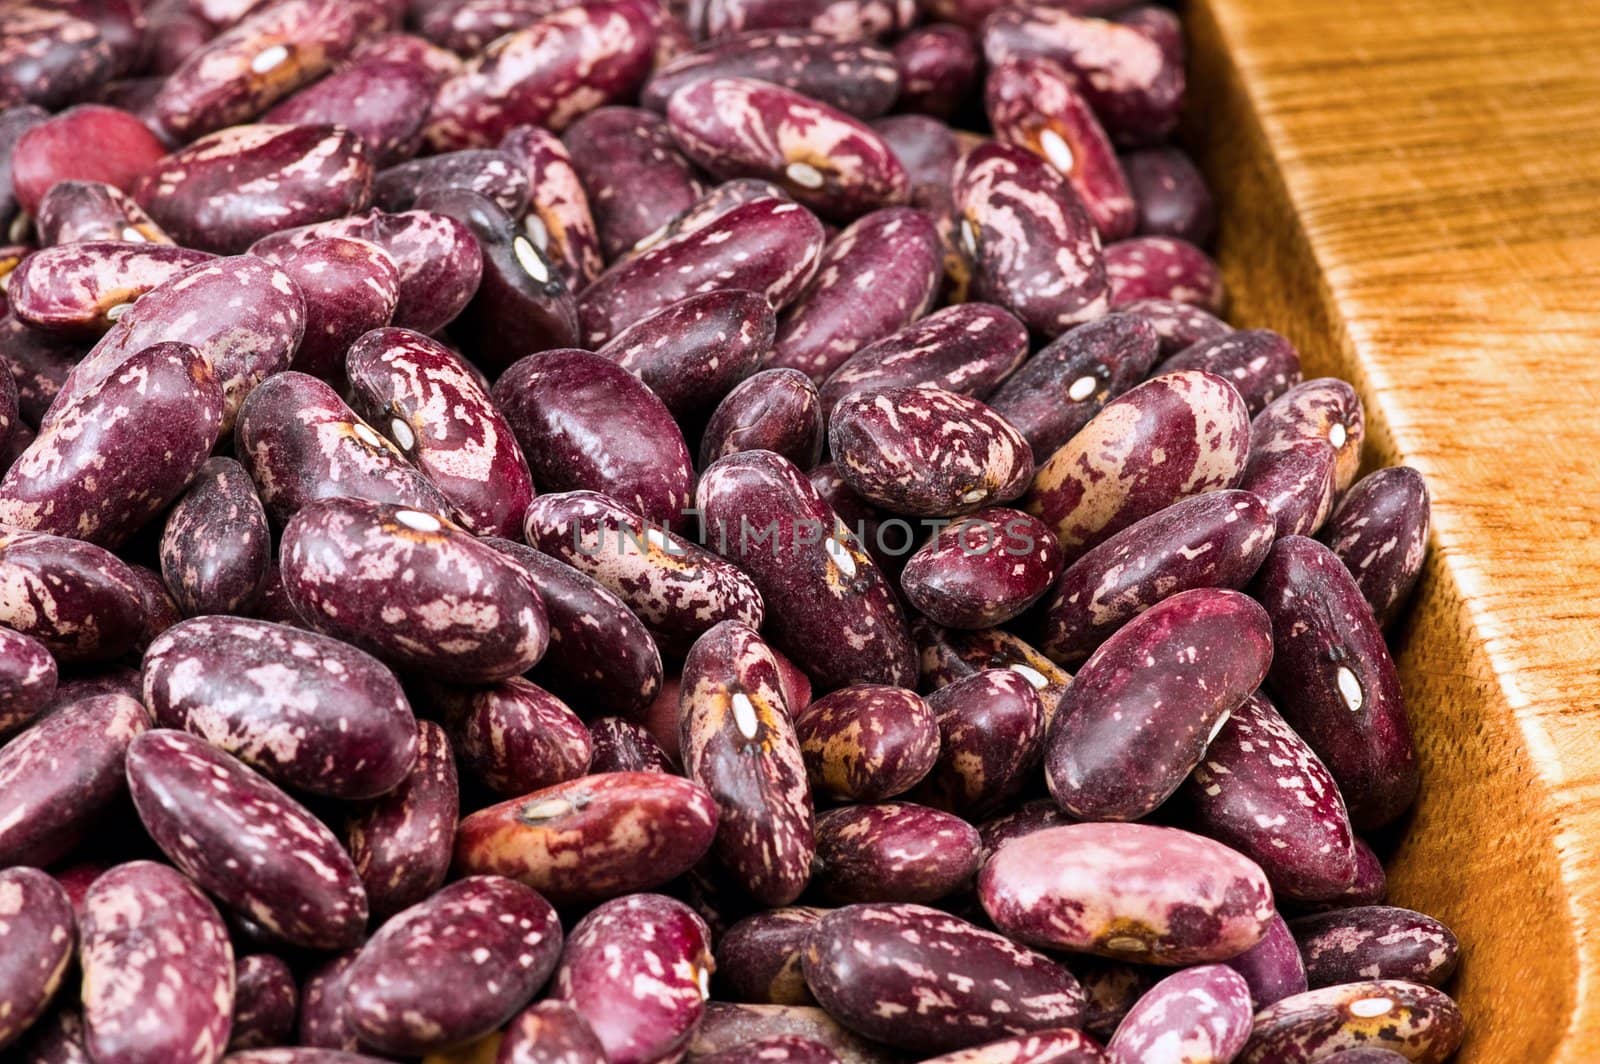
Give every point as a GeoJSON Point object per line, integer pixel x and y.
{"type": "Point", "coordinates": [854, 21]}
{"type": "Point", "coordinates": [1033, 246]}
{"type": "Point", "coordinates": [159, 413]}
{"type": "Point", "coordinates": [558, 220]}
{"type": "Point", "coordinates": [53, 56]}
{"type": "Point", "coordinates": [1218, 539]}
{"type": "Point", "coordinates": [707, 209]}
{"type": "Point", "coordinates": [231, 188]}
{"type": "Point", "coordinates": [216, 546]}
{"type": "Point", "coordinates": [1159, 267]}
{"type": "Point", "coordinates": [982, 570]}
{"type": "Point", "coordinates": [429, 403]}
{"type": "Point", "coordinates": [246, 842]}
{"type": "Point", "coordinates": [1260, 789]}
{"type": "Point", "coordinates": [157, 969]}
{"type": "Point", "coordinates": [694, 352]}
{"type": "Point", "coordinates": [490, 173]}
{"type": "Point", "coordinates": [301, 443]}
{"type": "Point", "coordinates": [1035, 104]}
{"type": "Point", "coordinates": [779, 244]}
{"type": "Point", "coordinates": [394, 985]}
{"type": "Point", "coordinates": [991, 728]}
{"type": "Point", "coordinates": [1334, 679]}
{"type": "Point", "coordinates": [829, 608]}
{"type": "Point", "coordinates": [401, 842]}
{"type": "Point", "coordinates": [350, 286]}
{"type": "Point", "coordinates": [76, 211]}
{"type": "Point", "coordinates": [727, 1027]}
{"type": "Point", "coordinates": [1197, 1016]}
{"type": "Point", "coordinates": [465, 613]}
{"type": "Point", "coordinates": [620, 745]}
{"type": "Point", "coordinates": [550, 1032]}
{"type": "Point", "coordinates": [324, 1020]}
{"type": "Point", "coordinates": [783, 1049]}
{"type": "Point", "coordinates": [738, 741]}
{"type": "Point", "coordinates": [893, 851]}
{"type": "Point", "coordinates": [1261, 364]}
{"type": "Point", "coordinates": [1304, 451]}
{"type": "Point", "coordinates": [80, 601]}
{"type": "Point", "coordinates": [1416, 1021]}
{"type": "Point", "coordinates": [948, 654]}
{"type": "Point", "coordinates": [28, 677]}
{"type": "Point", "coordinates": [938, 68]}
{"type": "Point", "coordinates": [1060, 389]}
{"type": "Point", "coordinates": [41, 937]}
{"type": "Point", "coordinates": [1138, 716]}
{"type": "Point", "coordinates": [514, 737]}
{"type": "Point", "coordinates": [759, 958]}
{"type": "Point", "coordinates": [1168, 439]}
{"type": "Point", "coordinates": [868, 742]}
{"type": "Point", "coordinates": [546, 75]}
{"type": "Point", "coordinates": [254, 320]}
{"type": "Point", "coordinates": [776, 410]}
{"type": "Point", "coordinates": [1375, 942]}
{"type": "Point", "coordinates": [381, 101]}
{"type": "Point", "coordinates": [876, 277]}
{"type": "Point", "coordinates": [1380, 532]}
{"type": "Point", "coordinates": [955, 984]}
{"type": "Point", "coordinates": [1180, 325]}
{"type": "Point", "coordinates": [75, 289]}
{"type": "Point", "coordinates": [1171, 194]}
{"type": "Point", "coordinates": [1135, 89]}
{"type": "Point", "coordinates": [592, 838]}
{"type": "Point", "coordinates": [264, 1002]}
{"type": "Point", "coordinates": [1127, 891]}
{"type": "Point", "coordinates": [1272, 968]}
{"type": "Point", "coordinates": [600, 654]}
{"type": "Point", "coordinates": [637, 969]}
{"type": "Point", "coordinates": [1031, 816]}
{"type": "Point", "coordinates": [636, 178]}
{"type": "Point", "coordinates": [852, 76]}
{"type": "Point", "coordinates": [1061, 1045]}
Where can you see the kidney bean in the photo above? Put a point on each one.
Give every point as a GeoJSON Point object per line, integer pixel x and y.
{"type": "Point", "coordinates": [558, 219]}
{"type": "Point", "coordinates": [1170, 438]}
{"type": "Point", "coordinates": [301, 443]}
{"type": "Point", "coordinates": [1304, 448]}
{"type": "Point", "coordinates": [868, 742]}
{"type": "Point", "coordinates": [466, 26]}
{"type": "Point", "coordinates": [1060, 390]}
{"type": "Point", "coordinates": [778, 245]}
{"type": "Point", "coordinates": [36, 917]}
{"type": "Point", "coordinates": [926, 147]}
{"type": "Point", "coordinates": [51, 55]}
{"type": "Point", "coordinates": [849, 75]}
{"type": "Point", "coordinates": [514, 737]}
{"type": "Point", "coordinates": [758, 958]}
{"type": "Point", "coordinates": [80, 601]}
{"type": "Point", "coordinates": [991, 728]}
{"type": "Point", "coordinates": [1375, 942]}
{"type": "Point", "coordinates": [1335, 681]}
{"type": "Point", "coordinates": [855, 20]}
{"type": "Point", "coordinates": [27, 679]}
{"type": "Point", "coordinates": [893, 851]}
{"type": "Point", "coordinates": [828, 606]}
{"type": "Point", "coordinates": [1272, 968]}
{"type": "Point", "coordinates": [949, 654]}
{"type": "Point", "coordinates": [235, 186]}
{"type": "Point", "coordinates": [14, 122]}
{"type": "Point", "coordinates": [1195, 1016]}
{"type": "Point", "coordinates": [160, 611]}
{"type": "Point", "coordinates": [550, 1032]}
{"type": "Point", "coordinates": [476, 927]}
{"type": "Point", "coordinates": [728, 1027]}
{"type": "Point", "coordinates": [546, 74]}
{"type": "Point", "coordinates": [493, 174]}
{"type": "Point", "coordinates": [79, 290]}
{"type": "Point", "coordinates": [1365, 1055]}
{"type": "Point", "coordinates": [1170, 194]}
{"type": "Point", "coordinates": [1135, 89]}
{"type": "Point", "coordinates": [1060, 1045]}
{"type": "Point", "coordinates": [923, 980]}
{"type": "Point", "coordinates": [776, 410]}
{"type": "Point", "coordinates": [1180, 325]}
{"type": "Point", "coordinates": [1159, 267]}
{"type": "Point", "coordinates": [592, 838]}
{"type": "Point", "coordinates": [1261, 790]}
{"type": "Point", "coordinates": [693, 352]}
{"type": "Point", "coordinates": [78, 211]}
{"type": "Point", "coordinates": [384, 103]}
{"type": "Point", "coordinates": [783, 1049]}
{"type": "Point", "coordinates": [1033, 246]}
{"type": "Point", "coordinates": [636, 179]}
{"type": "Point", "coordinates": [264, 1003]}
{"type": "Point", "coordinates": [324, 1016]}
{"type": "Point", "coordinates": [1258, 362]}
{"type": "Point", "coordinates": [1218, 539]}
{"type": "Point", "coordinates": [157, 968]}
{"type": "Point", "coordinates": [1417, 1021]}
{"type": "Point", "coordinates": [52, 151]}
{"type": "Point", "coordinates": [620, 745]}
{"type": "Point", "coordinates": [350, 286]}
{"type": "Point", "coordinates": [982, 570]}
{"type": "Point", "coordinates": [1131, 891]}
{"type": "Point", "coordinates": [1031, 816]}
{"type": "Point", "coordinates": [875, 278]}
{"type": "Point", "coordinates": [401, 843]}
{"type": "Point", "coordinates": [938, 66]}
{"type": "Point", "coordinates": [638, 970]}
{"type": "Point", "coordinates": [1380, 532]}
{"type": "Point", "coordinates": [600, 654]}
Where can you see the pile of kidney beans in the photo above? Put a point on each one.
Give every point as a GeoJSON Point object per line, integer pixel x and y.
{"type": "Point", "coordinates": [606, 532]}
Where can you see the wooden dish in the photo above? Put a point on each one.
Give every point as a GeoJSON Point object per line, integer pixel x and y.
{"type": "Point", "coordinates": [1410, 190]}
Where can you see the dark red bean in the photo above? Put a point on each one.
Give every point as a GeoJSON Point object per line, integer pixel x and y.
{"type": "Point", "coordinates": [1272, 968]}
{"type": "Point", "coordinates": [1180, 325]}
{"type": "Point", "coordinates": [693, 352]}
{"type": "Point", "coordinates": [635, 176]}
{"type": "Point", "coordinates": [1420, 1023]}
{"type": "Point", "coordinates": [1375, 942]}
{"type": "Point", "coordinates": [27, 679]}
{"type": "Point", "coordinates": [867, 742]}
{"type": "Point", "coordinates": [1159, 267]}
{"type": "Point", "coordinates": [1170, 194]}
{"type": "Point", "coordinates": [1380, 532]}
{"type": "Point", "coordinates": [983, 569]}
{"type": "Point", "coordinates": [948, 654]}
{"type": "Point", "coordinates": [216, 546]}
{"type": "Point", "coordinates": [402, 841]}
{"type": "Point", "coordinates": [79, 290]}
{"type": "Point", "coordinates": [1258, 362]}
{"type": "Point", "coordinates": [893, 851]}
{"type": "Point", "coordinates": [264, 1004]}
{"type": "Point", "coordinates": [350, 286]}
{"type": "Point", "coordinates": [41, 936]}
{"type": "Point", "coordinates": [51, 55]}
{"type": "Point", "coordinates": [854, 20]}
{"type": "Point", "coordinates": [52, 151]}
{"type": "Point", "coordinates": [550, 1032]}
{"type": "Point", "coordinates": [512, 736]}
{"type": "Point", "coordinates": [758, 958]}
{"type": "Point", "coordinates": [80, 601]}
{"type": "Point", "coordinates": [74, 211]}
{"type": "Point", "coordinates": [991, 729]}
{"type": "Point", "coordinates": [776, 410]}
{"type": "Point", "coordinates": [623, 746]}
{"type": "Point", "coordinates": [852, 76]}
{"type": "Point", "coordinates": [492, 174]}
{"type": "Point", "coordinates": [384, 103]}
{"type": "Point", "coordinates": [558, 219]}
{"type": "Point", "coordinates": [938, 69]}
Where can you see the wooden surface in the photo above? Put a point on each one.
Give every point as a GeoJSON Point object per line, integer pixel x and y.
{"type": "Point", "coordinates": [1410, 189]}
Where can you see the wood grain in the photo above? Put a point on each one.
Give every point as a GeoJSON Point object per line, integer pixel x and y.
{"type": "Point", "coordinates": [1410, 189]}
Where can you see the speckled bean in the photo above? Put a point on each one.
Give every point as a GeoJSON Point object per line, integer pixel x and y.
{"type": "Point", "coordinates": [782, 1049]}
{"type": "Point", "coordinates": [550, 1032]}
{"type": "Point", "coordinates": [707, 209]}
{"type": "Point", "coordinates": [639, 970]}
{"type": "Point", "coordinates": [758, 958]}
{"type": "Point", "coordinates": [1261, 364]}
{"type": "Point", "coordinates": [514, 737]}
{"type": "Point", "coordinates": [828, 606]}
{"type": "Point", "coordinates": [1154, 895]}
{"type": "Point", "coordinates": [264, 1003]}
{"type": "Point", "coordinates": [1031, 816]}
{"type": "Point", "coordinates": [41, 936]}
{"type": "Point", "coordinates": [1272, 968]}
{"type": "Point", "coordinates": [693, 352]}
{"type": "Point", "coordinates": [27, 679]}
{"type": "Point", "coordinates": [350, 286]}
{"type": "Point", "coordinates": [558, 220]}
{"type": "Point", "coordinates": [76, 211]}
{"type": "Point", "coordinates": [1380, 532]}
{"type": "Point", "coordinates": [216, 547]}
{"type": "Point", "coordinates": [592, 838]}
{"type": "Point", "coordinates": [381, 101]}
{"type": "Point", "coordinates": [851, 75]}
{"type": "Point", "coordinates": [982, 570]}
{"type": "Point", "coordinates": [1375, 942]}
{"type": "Point", "coordinates": [157, 969]}
{"type": "Point", "coordinates": [1168, 439]}
{"type": "Point", "coordinates": [1059, 390]}
{"type": "Point", "coordinates": [1334, 679]}
{"type": "Point", "coordinates": [947, 654]}
{"type": "Point", "coordinates": [868, 742]}
{"type": "Point", "coordinates": [1305, 447]}
{"type": "Point", "coordinates": [1218, 539]}
{"type": "Point", "coordinates": [80, 601]}
{"type": "Point", "coordinates": [51, 55]}
{"type": "Point", "coordinates": [1420, 1023]}
{"type": "Point", "coordinates": [1180, 325]}
{"type": "Point", "coordinates": [1197, 1016]}
{"type": "Point", "coordinates": [491, 173]}
{"type": "Point", "coordinates": [991, 728]}
{"type": "Point", "coordinates": [893, 851]}
{"type": "Point", "coordinates": [620, 745]}
{"type": "Point", "coordinates": [1159, 267]}
{"type": "Point", "coordinates": [853, 20]}
{"type": "Point", "coordinates": [401, 843]}
{"type": "Point", "coordinates": [1171, 194]}
{"type": "Point", "coordinates": [776, 410]}
{"type": "Point", "coordinates": [79, 290]}
{"type": "Point", "coordinates": [635, 176]}
{"type": "Point", "coordinates": [561, 404]}
{"type": "Point", "coordinates": [938, 68]}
